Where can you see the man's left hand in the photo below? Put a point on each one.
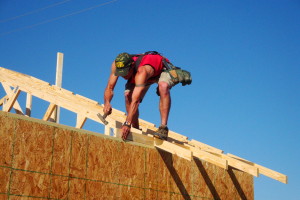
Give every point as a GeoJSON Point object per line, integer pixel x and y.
{"type": "Point", "coordinates": [125, 132]}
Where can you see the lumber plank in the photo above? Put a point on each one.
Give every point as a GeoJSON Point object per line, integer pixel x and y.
{"type": "Point", "coordinates": [16, 104]}
{"type": "Point", "coordinates": [173, 148]}
{"type": "Point", "coordinates": [208, 157]}
{"type": "Point", "coordinates": [49, 111]}
{"type": "Point", "coordinates": [135, 135]}
{"type": "Point", "coordinates": [240, 165]}
{"type": "Point", "coordinates": [28, 105]}
{"type": "Point", "coordinates": [264, 170]}
{"type": "Point", "coordinates": [64, 98]}
{"type": "Point", "coordinates": [81, 119]}
{"type": "Point", "coordinates": [11, 99]}
{"type": "Point", "coordinates": [107, 130]}
{"type": "Point", "coordinates": [86, 99]}
{"type": "Point", "coordinates": [205, 147]}
{"type": "Point", "coordinates": [87, 108]}
{"type": "Point", "coordinates": [3, 99]}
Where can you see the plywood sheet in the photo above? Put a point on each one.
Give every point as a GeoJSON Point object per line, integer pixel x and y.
{"type": "Point", "coordinates": [30, 184]}
{"type": "Point", "coordinates": [127, 192]}
{"type": "Point", "coordinates": [164, 174]}
{"type": "Point", "coordinates": [3, 197]}
{"type": "Point", "coordinates": [101, 190]}
{"type": "Point", "coordinates": [6, 140]}
{"type": "Point", "coordinates": [24, 198]}
{"type": "Point", "coordinates": [61, 152]}
{"type": "Point", "coordinates": [181, 173]}
{"type": "Point", "coordinates": [33, 146]}
{"type": "Point", "coordinates": [151, 194]}
{"type": "Point", "coordinates": [103, 159]}
{"type": "Point", "coordinates": [239, 183]}
{"type": "Point", "coordinates": [59, 187]}
{"type": "Point", "coordinates": [4, 179]}
{"type": "Point", "coordinates": [203, 180]}
{"type": "Point", "coordinates": [132, 164]}
{"type": "Point", "coordinates": [77, 188]}
{"type": "Point", "coordinates": [151, 170]}
{"type": "Point", "coordinates": [80, 165]}
{"type": "Point", "coordinates": [78, 155]}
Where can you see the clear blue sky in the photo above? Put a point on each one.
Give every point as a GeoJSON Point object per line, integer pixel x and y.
{"type": "Point", "coordinates": [244, 57]}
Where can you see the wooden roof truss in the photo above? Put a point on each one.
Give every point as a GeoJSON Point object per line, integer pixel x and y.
{"type": "Point", "coordinates": [14, 83]}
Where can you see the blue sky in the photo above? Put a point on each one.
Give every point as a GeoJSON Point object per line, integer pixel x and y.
{"type": "Point", "coordinates": [244, 57]}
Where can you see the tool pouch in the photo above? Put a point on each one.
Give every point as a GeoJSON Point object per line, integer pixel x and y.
{"type": "Point", "coordinates": [180, 76]}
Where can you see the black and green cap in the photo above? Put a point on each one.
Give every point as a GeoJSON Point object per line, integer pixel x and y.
{"type": "Point", "coordinates": [123, 62]}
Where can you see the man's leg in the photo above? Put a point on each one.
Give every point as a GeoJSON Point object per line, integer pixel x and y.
{"type": "Point", "coordinates": [164, 102]}
{"type": "Point", "coordinates": [164, 86]}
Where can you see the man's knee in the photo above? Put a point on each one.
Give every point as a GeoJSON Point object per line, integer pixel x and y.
{"type": "Point", "coordinates": [163, 88]}
{"type": "Point", "coordinates": [127, 96]}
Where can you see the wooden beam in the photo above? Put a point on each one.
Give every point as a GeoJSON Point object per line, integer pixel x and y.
{"type": "Point", "coordinates": [205, 147]}
{"type": "Point", "coordinates": [16, 105]}
{"type": "Point", "coordinates": [240, 165]}
{"type": "Point", "coordinates": [208, 157]}
{"type": "Point", "coordinates": [135, 136]}
{"type": "Point", "coordinates": [28, 104]}
{"type": "Point", "coordinates": [172, 148]}
{"type": "Point", "coordinates": [263, 170]}
{"type": "Point", "coordinates": [88, 108]}
{"type": "Point", "coordinates": [81, 119]}
{"type": "Point", "coordinates": [49, 111]}
{"type": "Point", "coordinates": [3, 99]}
{"type": "Point", "coordinates": [58, 82]}
{"type": "Point", "coordinates": [11, 99]}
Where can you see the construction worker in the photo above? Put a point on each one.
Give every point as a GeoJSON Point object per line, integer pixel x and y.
{"type": "Point", "coordinates": [141, 71]}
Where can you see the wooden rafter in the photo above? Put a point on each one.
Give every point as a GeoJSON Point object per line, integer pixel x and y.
{"type": "Point", "coordinates": [11, 99]}
{"type": "Point", "coordinates": [9, 93]}
{"type": "Point", "coordinates": [88, 109]}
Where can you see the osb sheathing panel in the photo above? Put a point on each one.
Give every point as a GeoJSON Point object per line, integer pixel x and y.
{"type": "Point", "coordinates": [6, 140]}
{"type": "Point", "coordinates": [45, 160]}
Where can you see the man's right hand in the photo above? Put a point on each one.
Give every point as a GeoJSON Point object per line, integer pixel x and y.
{"type": "Point", "coordinates": [107, 108]}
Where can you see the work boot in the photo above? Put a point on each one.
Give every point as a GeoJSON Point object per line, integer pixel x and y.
{"type": "Point", "coordinates": [162, 132]}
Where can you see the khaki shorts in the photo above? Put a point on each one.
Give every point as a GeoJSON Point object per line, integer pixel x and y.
{"type": "Point", "coordinates": [164, 77]}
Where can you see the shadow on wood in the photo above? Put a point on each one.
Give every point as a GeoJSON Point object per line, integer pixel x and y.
{"type": "Point", "coordinates": [236, 184]}
{"type": "Point", "coordinates": [207, 179]}
{"type": "Point", "coordinates": [168, 160]}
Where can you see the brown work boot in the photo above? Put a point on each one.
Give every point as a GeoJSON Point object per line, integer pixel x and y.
{"type": "Point", "coordinates": [162, 132]}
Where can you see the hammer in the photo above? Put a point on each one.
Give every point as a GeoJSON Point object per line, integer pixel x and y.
{"type": "Point", "coordinates": [102, 118]}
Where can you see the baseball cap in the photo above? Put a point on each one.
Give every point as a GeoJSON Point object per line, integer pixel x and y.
{"type": "Point", "coordinates": [123, 62]}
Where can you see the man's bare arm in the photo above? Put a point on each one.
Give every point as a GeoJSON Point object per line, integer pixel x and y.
{"type": "Point", "coordinates": [109, 90]}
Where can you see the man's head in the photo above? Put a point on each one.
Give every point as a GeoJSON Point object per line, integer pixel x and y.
{"type": "Point", "coordinates": [123, 63]}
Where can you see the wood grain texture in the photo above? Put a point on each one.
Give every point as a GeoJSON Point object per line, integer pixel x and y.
{"type": "Point", "coordinates": [50, 161]}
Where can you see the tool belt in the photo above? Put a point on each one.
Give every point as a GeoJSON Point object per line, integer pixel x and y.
{"type": "Point", "coordinates": [180, 76]}
{"type": "Point", "coordinates": [177, 74]}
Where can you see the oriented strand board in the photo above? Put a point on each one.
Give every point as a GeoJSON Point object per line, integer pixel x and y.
{"type": "Point", "coordinates": [4, 179]}
{"type": "Point", "coordinates": [101, 190]}
{"type": "Point", "coordinates": [78, 155]}
{"type": "Point", "coordinates": [33, 146]}
{"type": "Point", "coordinates": [61, 152]}
{"type": "Point", "coordinates": [77, 188]}
{"type": "Point", "coordinates": [103, 160]}
{"type": "Point", "coordinates": [203, 180]}
{"type": "Point", "coordinates": [6, 140]}
{"type": "Point", "coordinates": [30, 184]}
{"type": "Point", "coordinates": [50, 161]}
{"type": "Point", "coordinates": [3, 197]}
{"type": "Point", "coordinates": [59, 187]}
{"type": "Point", "coordinates": [132, 165]}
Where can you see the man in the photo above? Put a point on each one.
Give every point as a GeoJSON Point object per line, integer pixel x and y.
{"type": "Point", "coordinates": [141, 71]}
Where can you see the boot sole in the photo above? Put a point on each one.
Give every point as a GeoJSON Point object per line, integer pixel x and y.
{"type": "Point", "coordinates": [159, 136]}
